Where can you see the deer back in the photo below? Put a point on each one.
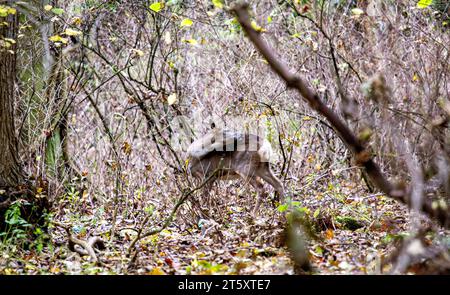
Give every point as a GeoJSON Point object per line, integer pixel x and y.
{"type": "Point", "coordinates": [228, 152]}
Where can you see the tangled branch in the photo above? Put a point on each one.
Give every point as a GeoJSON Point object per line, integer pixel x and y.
{"type": "Point", "coordinates": [362, 155]}
{"type": "Point", "coordinates": [87, 247]}
{"type": "Point", "coordinates": [169, 219]}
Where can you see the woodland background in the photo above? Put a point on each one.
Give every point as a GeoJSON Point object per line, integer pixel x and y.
{"type": "Point", "coordinates": [90, 182]}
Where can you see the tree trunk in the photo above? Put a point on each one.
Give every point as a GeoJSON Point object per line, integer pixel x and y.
{"type": "Point", "coordinates": [10, 170]}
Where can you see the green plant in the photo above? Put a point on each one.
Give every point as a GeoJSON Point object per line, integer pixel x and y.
{"type": "Point", "coordinates": [72, 196]}
{"type": "Point", "coordinates": [16, 229]}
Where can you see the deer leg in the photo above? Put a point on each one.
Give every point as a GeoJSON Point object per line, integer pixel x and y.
{"type": "Point", "coordinates": [205, 197]}
{"type": "Point", "coordinates": [267, 174]}
{"type": "Point", "coordinates": [254, 182]}
{"type": "Point", "coordinates": [262, 194]}
{"type": "Point", "coordinates": [208, 189]}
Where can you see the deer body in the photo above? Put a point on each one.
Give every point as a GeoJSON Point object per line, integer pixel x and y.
{"type": "Point", "coordinates": [233, 155]}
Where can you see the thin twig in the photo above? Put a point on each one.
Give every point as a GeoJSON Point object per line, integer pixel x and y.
{"type": "Point", "coordinates": [363, 156]}
{"type": "Point", "coordinates": [169, 219]}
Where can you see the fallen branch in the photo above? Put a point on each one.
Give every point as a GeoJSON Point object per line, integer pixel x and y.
{"type": "Point", "coordinates": [87, 247]}
{"type": "Point", "coordinates": [363, 157]}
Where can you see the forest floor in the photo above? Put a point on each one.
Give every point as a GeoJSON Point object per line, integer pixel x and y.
{"type": "Point", "coordinates": [354, 232]}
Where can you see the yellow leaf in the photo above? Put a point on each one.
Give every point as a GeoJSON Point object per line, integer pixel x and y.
{"type": "Point", "coordinates": [3, 11]}
{"type": "Point", "coordinates": [157, 271]}
{"type": "Point", "coordinates": [316, 213]}
{"type": "Point", "coordinates": [57, 38]}
{"type": "Point", "coordinates": [48, 7]}
{"type": "Point", "coordinates": [126, 148]}
{"type": "Point", "coordinates": [70, 32]}
{"type": "Point", "coordinates": [12, 41]}
{"type": "Point", "coordinates": [157, 6]}
{"type": "Point", "coordinates": [256, 27]}
{"type": "Point", "coordinates": [186, 23]}
{"type": "Point", "coordinates": [200, 254]}
{"type": "Point", "coordinates": [415, 77]}
{"type": "Point", "coordinates": [245, 244]}
{"type": "Point", "coordinates": [172, 99]}
{"type": "Point", "coordinates": [357, 11]}
{"type": "Point", "coordinates": [242, 253]}
{"type": "Point", "coordinates": [84, 195]}
{"type": "Point", "coordinates": [190, 41]}
{"type": "Point", "coordinates": [217, 3]}
{"type": "Point", "coordinates": [138, 52]}
{"type": "Point", "coordinates": [424, 3]}
{"type": "Point", "coordinates": [76, 21]}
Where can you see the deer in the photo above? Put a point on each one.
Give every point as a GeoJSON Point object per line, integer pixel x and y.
{"type": "Point", "coordinates": [232, 155]}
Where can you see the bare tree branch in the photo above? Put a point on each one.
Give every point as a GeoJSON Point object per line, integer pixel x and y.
{"type": "Point", "coordinates": [362, 155]}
